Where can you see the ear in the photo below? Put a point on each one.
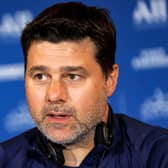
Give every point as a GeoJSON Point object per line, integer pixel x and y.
{"type": "Point", "coordinates": [112, 80]}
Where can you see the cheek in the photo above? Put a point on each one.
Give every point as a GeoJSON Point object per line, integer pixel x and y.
{"type": "Point", "coordinates": [87, 98]}
{"type": "Point", "coordinates": [35, 98]}
{"type": "Point", "coordinates": [86, 93]}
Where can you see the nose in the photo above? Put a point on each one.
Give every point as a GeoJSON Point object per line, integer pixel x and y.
{"type": "Point", "coordinates": [56, 93]}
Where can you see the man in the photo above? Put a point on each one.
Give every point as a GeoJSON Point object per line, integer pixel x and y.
{"type": "Point", "coordinates": [70, 71]}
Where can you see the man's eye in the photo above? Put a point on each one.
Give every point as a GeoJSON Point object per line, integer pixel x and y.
{"type": "Point", "coordinates": [74, 77]}
{"type": "Point", "coordinates": [40, 77]}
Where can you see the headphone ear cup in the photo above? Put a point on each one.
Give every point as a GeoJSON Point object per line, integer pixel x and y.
{"type": "Point", "coordinates": [102, 135]}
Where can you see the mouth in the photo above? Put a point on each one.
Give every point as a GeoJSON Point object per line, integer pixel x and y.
{"type": "Point", "coordinates": [58, 117]}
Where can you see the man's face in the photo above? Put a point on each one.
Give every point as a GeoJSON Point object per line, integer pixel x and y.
{"type": "Point", "coordinates": [66, 89]}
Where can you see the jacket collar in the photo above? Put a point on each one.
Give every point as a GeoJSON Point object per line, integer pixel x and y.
{"type": "Point", "coordinates": [41, 146]}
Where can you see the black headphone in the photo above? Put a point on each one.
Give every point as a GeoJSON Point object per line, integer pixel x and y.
{"type": "Point", "coordinates": [103, 135]}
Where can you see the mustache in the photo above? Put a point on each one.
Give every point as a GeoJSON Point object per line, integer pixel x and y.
{"type": "Point", "coordinates": [58, 108]}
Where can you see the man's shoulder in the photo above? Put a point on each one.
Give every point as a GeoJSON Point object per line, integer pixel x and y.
{"type": "Point", "coordinates": [15, 149]}
{"type": "Point", "coordinates": [148, 144]}
{"type": "Point", "coordinates": [135, 128]}
{"type": "Point", "coordinates": [20, 141]}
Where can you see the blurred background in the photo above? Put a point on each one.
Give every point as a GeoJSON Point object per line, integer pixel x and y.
{"type": "Point", "coordinates": [142, 54]}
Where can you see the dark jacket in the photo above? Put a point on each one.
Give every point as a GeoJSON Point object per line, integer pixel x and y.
{"type": "Point", "coordinates": [134, 145]}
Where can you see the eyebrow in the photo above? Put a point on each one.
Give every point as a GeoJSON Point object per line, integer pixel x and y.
{"type": "Point", "coordinates": [74, 69]}
{"type": "Point", "coordinates": [38, 68]}
{"type": "Point", "coordinates": [62, 69]}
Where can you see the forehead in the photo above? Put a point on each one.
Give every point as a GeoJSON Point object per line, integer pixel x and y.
{"type": "Point", "coordinates": [65, 52]}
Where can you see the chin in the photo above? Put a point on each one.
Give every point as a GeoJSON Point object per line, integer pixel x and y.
{"type": "Point", "coordinates": [59, 137]}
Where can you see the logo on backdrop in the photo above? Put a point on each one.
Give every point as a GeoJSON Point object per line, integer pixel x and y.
{"type": "Point", "coordinates": [150, 15]}
{"type": "Point", "coordinates": [11, 72]}
{"type": "Point", "coordinates": [12, 25]}
{"type": "Point", "coordinates": [18, 119]}
{"type": "Point", "coordinates": [155, 106]}
{"type": "Point", "coordinates": [150, 58]}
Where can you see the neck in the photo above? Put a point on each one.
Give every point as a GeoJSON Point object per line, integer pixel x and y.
{"type": "Point", "coordinates": [75, 154]}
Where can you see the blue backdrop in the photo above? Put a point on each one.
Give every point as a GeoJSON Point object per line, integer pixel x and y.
{"type": "Point", "coordinates": [142, 54]}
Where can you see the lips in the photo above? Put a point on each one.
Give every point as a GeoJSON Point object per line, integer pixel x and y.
{"type": "Point", "coordinates": [58, 117]}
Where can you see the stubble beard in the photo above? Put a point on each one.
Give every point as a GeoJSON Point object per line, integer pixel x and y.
{"type": "Point", "coordinates": [81, 130]}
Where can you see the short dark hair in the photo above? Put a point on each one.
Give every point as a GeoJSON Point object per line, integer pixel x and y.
{"type": "Point", "coordinates": [73, 21]}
